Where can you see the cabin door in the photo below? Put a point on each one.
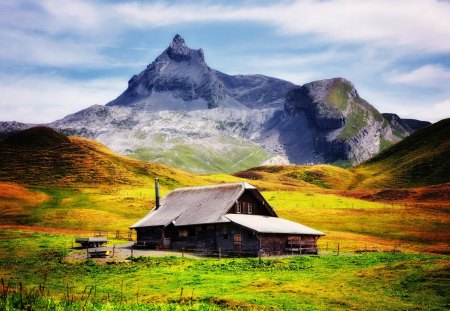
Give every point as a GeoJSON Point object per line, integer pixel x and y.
{"type": "Point", "coordinates": [166, 238]}
{"type": "Point", "coordinates": [237, 239]}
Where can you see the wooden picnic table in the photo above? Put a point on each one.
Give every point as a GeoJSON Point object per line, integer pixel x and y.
{"type": "Point", "coordinates": [91, 241]}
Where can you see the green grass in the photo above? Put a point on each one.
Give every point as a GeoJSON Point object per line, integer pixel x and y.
{"type": "Point", "coordinates": [355, 223]}
{"type": "Point", "coordinates": [236, 156]}
{"type": "Point", "coordinates": [356, 121]}
{"type": "Point", "coordinates": [378, 281]}
{"type": "Point", "coordinates": [338, 96]}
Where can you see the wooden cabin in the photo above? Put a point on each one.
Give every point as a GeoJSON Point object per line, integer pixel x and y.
{"type": "Point", "coordinates": [232, 219]}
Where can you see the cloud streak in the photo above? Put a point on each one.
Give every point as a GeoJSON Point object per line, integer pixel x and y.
{"type": "Point", "coordinates": [421, 25]}
{"type": "Point", "coordinates": [431, 75]}
{"type": "Point", "coordinates": [45, 98]}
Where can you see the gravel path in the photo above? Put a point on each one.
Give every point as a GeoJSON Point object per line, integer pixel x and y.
{"type": "Point", "coordinates": [121, 252]}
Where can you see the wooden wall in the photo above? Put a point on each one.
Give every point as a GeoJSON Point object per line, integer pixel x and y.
{"type": "Point", "coordinates": [229, 238]}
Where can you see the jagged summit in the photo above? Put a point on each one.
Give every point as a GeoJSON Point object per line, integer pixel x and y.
{"type": "Point", "coordinates": [178, 50]}
{"type": "Point", "coordinates": [177, 79]}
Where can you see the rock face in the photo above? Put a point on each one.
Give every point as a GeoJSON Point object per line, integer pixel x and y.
{"type": "Point", "coordinates": [397, 123]}
{"type": "Point", "coordinates": [181, 112]}
{"type": "Point", "coordinates": [346, 127]}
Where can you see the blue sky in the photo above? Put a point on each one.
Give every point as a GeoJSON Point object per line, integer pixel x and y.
{"type": "Point", "coordinates": [60, 56]}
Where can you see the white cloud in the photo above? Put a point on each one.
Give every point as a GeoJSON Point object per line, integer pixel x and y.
{"type": "Point", "coordinates": [64, 33]}
{"type": "Point", "coordinates": [431, 75]}
{"type": "Point", "coordinates": [432, 112]}
{"type": "Point", "coordinates": [45, 98]}
{"type": "Point", "coordinates": [409, 106]}
{"type": "Point", "coordinates": [421, 24]}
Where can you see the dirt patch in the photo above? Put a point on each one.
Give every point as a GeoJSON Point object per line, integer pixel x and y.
{"type": "Point", "coordinates": [390, 195]}
{"type": "Point", "coordinates": [434, 195]}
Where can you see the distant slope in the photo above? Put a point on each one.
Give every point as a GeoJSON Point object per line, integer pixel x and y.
{"type": "Point", "coordinates": [40, 156]}
{"type": "Point", "coordinates": [421, 159]}
{"type": "Point", "coordinates": [324, 176]}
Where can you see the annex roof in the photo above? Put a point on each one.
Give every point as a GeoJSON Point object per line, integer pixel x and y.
{"type": "Point", "coordinates": [268, 224]}
{"type": "Point", "coordinates": [195, 205]}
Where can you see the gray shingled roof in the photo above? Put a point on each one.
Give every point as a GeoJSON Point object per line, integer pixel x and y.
{"type": "Point", "coordinates": [268, 224]}
{"type": "Point", "coordinates": [195, 205]}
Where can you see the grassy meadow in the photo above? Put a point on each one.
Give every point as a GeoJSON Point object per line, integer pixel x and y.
{"type": "Point", "coordinates": [34, 262]}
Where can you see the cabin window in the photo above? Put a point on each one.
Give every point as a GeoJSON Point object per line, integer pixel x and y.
{"type": "Point", "coordinates": [250, 208]}
{"type": "Point", "coordinates": [183, 233]}
{"type": "Point", "coordinates": [238, 207]}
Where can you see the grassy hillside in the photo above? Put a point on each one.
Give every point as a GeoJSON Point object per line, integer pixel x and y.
{"type": "Point", "coordinates": [421, 159]}
{"type": "Point", "coordinates": [235, 155]}
{"type": "Point", "coordinates": [44, 158]}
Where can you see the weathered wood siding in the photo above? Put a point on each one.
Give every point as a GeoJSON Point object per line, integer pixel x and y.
{"type": "Point", "coordinates": [151, 236]}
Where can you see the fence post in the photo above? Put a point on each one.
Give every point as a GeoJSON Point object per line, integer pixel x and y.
{"type": "Point", "coordinates": [338, 249]}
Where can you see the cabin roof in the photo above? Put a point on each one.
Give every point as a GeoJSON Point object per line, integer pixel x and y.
{"type": "Point", "coordinates": [268, 224]}
{"type": "Point", "coordinates": [196, 205]}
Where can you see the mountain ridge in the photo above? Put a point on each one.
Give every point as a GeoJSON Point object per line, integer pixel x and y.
{"type": "Point", "coordinates": [181, 112]}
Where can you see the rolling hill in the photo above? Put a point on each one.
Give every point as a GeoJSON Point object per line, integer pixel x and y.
{"type": "Point", "coordinates": [421, 159]}
{"type": "Point", "coordinates": [42, 157]}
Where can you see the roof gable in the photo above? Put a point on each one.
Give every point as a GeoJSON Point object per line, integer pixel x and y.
{"type": "Point", "coordinates": [255, 192]}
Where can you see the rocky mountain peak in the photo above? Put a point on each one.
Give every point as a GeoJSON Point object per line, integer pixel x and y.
{"type": "Point", "coordinates": [179, 51]}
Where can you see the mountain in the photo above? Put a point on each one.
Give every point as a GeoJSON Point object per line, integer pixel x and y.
{"type": "Point", "coordinates": [181, 112]}
{"type": "Point", "coordinates": [421, 159]}
{"type": "Point", "coordinates": [40, 156]}
{"type": "Point", "coordinates": [404, 125]}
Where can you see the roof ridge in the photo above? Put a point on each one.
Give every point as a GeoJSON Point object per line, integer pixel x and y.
{"type": "Point", "coordinates": [242, 184]}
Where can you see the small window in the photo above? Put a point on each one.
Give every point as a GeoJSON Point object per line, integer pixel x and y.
{"type": "Point", "coordinates": [238, 208]}
{"type": "Point", "coordinates": [250, 208]}
{"type": "Point", "coordinates": [183, 233]}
